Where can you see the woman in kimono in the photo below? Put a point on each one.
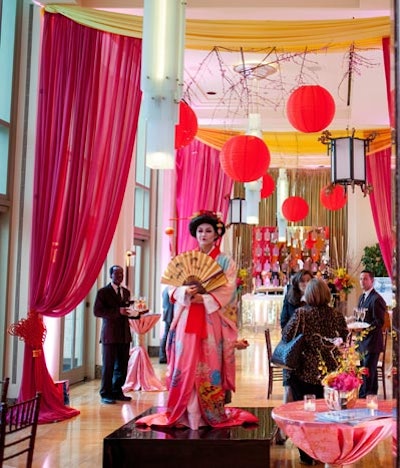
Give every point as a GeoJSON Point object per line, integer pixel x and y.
{"type": "Point", "coordinates": [202, 342]}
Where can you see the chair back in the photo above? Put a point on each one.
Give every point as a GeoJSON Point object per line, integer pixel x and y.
{"type": "Point", "coordinates": [385, 334]}
{"type": "Point", "coordinates": [387, 324]}
{"type": "Point", "coordinates": [4, 389]}
{"type": "Point", "coordinates": [18, 425]}
{"type": "Point", "coordinates": [268, 345]}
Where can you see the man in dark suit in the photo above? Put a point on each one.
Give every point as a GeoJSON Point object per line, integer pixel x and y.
{"type": "Point", "coordinates": [110, 305]}
{"type": "Point", "coordinates": [372, 343]}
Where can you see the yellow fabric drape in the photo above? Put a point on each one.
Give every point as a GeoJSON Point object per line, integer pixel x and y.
{"type": "Point", "coordinates": [292, 142]}
{"type": "Point", "coordinates": [291, 36]}
{"type": "Point", "coordinates": [291, 149]}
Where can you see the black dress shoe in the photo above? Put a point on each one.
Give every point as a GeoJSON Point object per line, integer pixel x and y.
{"type": "Point", "coordinates": [123, 398]}
{"type": "Point", "coordinates": [108, 401]}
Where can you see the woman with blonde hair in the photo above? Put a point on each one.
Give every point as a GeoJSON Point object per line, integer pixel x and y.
{"type": "Point", "coordinates": [320, 324]}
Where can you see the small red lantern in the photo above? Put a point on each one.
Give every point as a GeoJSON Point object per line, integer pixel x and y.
{"type": "Point", "coordinates": [186, 129]}
{"type": "Point", "coordinates": [245, 158]}
{"type": "Point", "coordinates": [268, 186]}
{"type": "Point", "coordinates": [310, 108]}
{"type": "Point", "coordinates": [295, 209]}
{"type": "Point", "coordinates": [169, 231]}
{"type": "Point", "coordinates": [333, 197]}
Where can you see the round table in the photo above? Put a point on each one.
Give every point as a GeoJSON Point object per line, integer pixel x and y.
{"type": "Point", "coordinates": [140, 375]}
{"type": "Point", "coordinates": [335, 444]}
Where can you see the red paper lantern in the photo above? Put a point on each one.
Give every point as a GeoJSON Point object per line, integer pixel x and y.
{"type": "Point", "coordinates": [186, 129]}
{"type": "Point", "coordinates": [295, 209]}
{"type": "Point", "coordinates": [333, 197]}
{"type": "Point", "coordinates": [310, 108]}
{"type": "Point", "coordinates": [268, 186]}
{"type": "Point", "coordinates": [245, 158]}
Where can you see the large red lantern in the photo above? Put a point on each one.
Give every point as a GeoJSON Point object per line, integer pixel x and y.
{"type": "Point", "coordinates": [295, 209]}
{"type": "Point", "coordinates": [333, 197]}
{"type": "Point", "coordinates": [186, 129]}
{"type": "Point", "coordinates": [245, 158]}
{"type": "Point", "coordinates": [310, 108]}
{"type": "Point", "coordinates": [268, 186]}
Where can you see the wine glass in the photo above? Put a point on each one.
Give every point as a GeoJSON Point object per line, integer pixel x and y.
{"type": "Point", "coordinates": [356, 313]}
{"type": "Point", "coordinates": [362, 314]}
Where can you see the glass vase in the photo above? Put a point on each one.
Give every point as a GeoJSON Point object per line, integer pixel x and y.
{"type": "Point", "coordinates": [338, 400]}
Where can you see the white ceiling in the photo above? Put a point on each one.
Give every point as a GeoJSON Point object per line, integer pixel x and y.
{"type": "Point", "coordinates": [235, 97]}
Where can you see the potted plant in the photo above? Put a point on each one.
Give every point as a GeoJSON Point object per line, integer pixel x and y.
{"type": "Point", "coordinates": [373, 261]}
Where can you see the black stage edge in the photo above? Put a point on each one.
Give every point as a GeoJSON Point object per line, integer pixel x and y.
{"type": "Point", "coordinates": [133, 446]}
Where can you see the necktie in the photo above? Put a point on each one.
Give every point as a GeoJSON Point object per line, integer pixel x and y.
{"type": "Point", "coordinates": [119, 292]}
{"type": "Point", "coordinates": [362, 300]}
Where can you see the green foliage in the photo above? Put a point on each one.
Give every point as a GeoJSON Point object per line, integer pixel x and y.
{"type": "Point", "coordinates": [373, 261]}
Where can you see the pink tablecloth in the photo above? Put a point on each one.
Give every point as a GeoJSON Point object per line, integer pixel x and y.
{"type": "Point", "coordinates": [328, 442]}
{"type": "Point", "coordinates": [141, 374]}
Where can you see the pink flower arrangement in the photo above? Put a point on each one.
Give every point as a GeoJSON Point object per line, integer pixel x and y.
{"type": "Point", "coordinates": [348, 374]}
{"type": "Point", "coordinates": [343, 381]}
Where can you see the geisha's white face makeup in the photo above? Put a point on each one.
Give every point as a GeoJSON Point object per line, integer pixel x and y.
{"type": "Point", "coordinates": [206, 236]}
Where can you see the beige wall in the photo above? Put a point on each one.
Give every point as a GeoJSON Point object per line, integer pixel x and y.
{"type": "Point", "coordinates": [361, 233]}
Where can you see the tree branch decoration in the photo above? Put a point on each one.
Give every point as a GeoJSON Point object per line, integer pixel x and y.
{"type": "Point", "coordinates": [247, 89]}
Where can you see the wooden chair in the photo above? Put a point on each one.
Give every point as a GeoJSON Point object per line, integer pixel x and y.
{"type": "Point", "coordinates": [4, 389]}
{"type": "Point", "coordinates": [381, 369]}
{"type": "Point", "coordinates": [18, 425]}
{"type": "Point", "coordinates": [275, 373]}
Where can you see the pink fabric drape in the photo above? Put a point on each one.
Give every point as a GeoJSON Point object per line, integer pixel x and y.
{"type": "Point", "coordinates": [379, 176]}
{"type": "Point", "coordinates": [89, 100]}
{"type": "Point", "coordinates": [200, 185]}
{"type": "Point", "coordinates": [141, 375]}
{"type": "Point", "coordinates": [388, 72]}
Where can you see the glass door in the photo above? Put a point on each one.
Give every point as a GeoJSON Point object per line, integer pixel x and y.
{"type": "Point", "coordinates": [73, 345]}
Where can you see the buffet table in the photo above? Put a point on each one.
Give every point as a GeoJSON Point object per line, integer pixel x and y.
{"type": "Point", "coordinates": [260, 311]}
{"type": "Point", "coordinates": [140, 375]}
{"type": "Point", "coordinates": [333, 443]}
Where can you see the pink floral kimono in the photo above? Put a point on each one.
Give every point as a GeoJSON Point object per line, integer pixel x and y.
{"type": "Point", "coordinates": [201, 358]}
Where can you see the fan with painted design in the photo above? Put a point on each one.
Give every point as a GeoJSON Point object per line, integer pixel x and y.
{"type": "Point", "coordinates": [194, 267]}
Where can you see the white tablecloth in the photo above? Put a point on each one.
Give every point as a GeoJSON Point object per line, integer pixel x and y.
{"type": "Point", "coordinates": [260, 311]}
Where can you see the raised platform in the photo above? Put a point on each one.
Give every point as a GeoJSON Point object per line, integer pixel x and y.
{"type": "Point", "coordinates": [236, 447]}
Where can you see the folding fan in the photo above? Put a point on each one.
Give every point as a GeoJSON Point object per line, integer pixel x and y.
{"type": "Point", "coordinates": [194, 267]}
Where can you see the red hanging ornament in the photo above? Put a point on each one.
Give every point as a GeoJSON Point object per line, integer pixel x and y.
{"type": "Point", "coordinates": [268, 186]}
{"type": "Point", "coordinates": [295, 209]}
{"type": "Point", "coordinates": [245, 158]}
{"type": "Point", "coordinates": [186, 129]}
{"type": "Point", "coordinates": [333, 197]}
{"type": "Point", "coordinates": [310, 108]}
{"type": "Point", "coordinates": [309, 243]}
